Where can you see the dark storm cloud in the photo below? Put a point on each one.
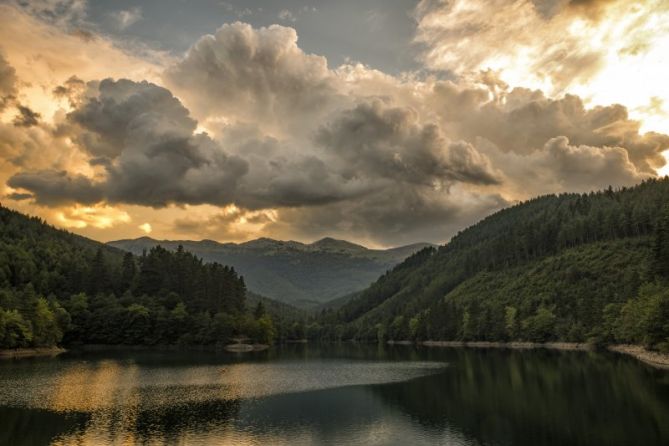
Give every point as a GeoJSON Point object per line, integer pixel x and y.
{"type": "Point", "coordinates": [145, 140]}
{"type": "Point", "coordinates": [376, 139]}
{"type": "Point", "coordinates": [130, 113]}
{"type": "Point", "coordinates": [52, 188]}
{"type": "Point", "coordinates": [26, 117]}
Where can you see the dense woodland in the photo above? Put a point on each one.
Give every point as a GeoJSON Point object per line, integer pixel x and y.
{"type": "Point", "coordinates": [59, 288]}
{"type": "Point", "coordinates": [570, 267]}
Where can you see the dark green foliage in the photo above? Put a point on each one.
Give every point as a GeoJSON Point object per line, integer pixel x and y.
{"type": "Point", "coordinates": [57, 287]}
{"type": "Point", "coordinates": [556, 268]}
{"type": "Point", "coordinates": [661, 246]}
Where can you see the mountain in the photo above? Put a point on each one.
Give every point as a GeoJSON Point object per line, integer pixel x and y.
{"type": "Point", "coordinates": [570, 267]}
{"type": "Point", "coordinates": [303, 275]}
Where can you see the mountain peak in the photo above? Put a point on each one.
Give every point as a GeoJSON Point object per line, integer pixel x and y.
{"type": "Point", "coordinates": [329, 243]}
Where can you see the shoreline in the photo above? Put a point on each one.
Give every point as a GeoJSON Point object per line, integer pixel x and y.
{"type": "Point", "coordinates": [31, 352]}
{"type": "Point", "coordinates": [564, 346]}
{"type": "Point", "coordinates": [654, 359]}
{"type": "Point", "coordinates": [221, 348]}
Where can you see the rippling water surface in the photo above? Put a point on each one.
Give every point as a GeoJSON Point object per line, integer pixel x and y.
{"type": "Point", "coordinates": [346, 394]}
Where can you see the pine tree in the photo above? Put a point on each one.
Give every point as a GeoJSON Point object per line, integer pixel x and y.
{"type": "Point", "coordinates": [660, 263]}
{"type": "Point", "coordinates": [259, 311]}
{"type": "Point", "coordinates": [128, 271]}
{"type": "Point", "coordinates": [99, 275]}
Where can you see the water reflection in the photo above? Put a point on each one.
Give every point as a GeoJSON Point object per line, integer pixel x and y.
{"type": "Point", "coordinates": [334, 395]}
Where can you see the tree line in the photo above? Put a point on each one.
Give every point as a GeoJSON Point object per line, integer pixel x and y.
{"type": "Point", "coordinates": [56, 287]}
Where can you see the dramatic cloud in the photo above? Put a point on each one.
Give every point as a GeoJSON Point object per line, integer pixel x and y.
{"type": "Point", "coordinates": [374, 139]}
{"type": "Point", "coordinates": [524, 120]}
{"type": "Point", "coordinates": [144, 139]}
{"type": "Point", "coordinates": [582, 167]}
{"type": "Point", "coordinates": [254, 75]}
{"type": "Point", "coordinates": [596, 49]}
{"type": "Point", "coordinates": [247, 135]}
{"type": "Point", "coordinates": [26, 117]}
{"type": "Point", "coordinates": [564, 167]}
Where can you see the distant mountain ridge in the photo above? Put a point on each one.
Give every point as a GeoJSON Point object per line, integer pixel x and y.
{"type": "Point", "coordinates": [301, 274]}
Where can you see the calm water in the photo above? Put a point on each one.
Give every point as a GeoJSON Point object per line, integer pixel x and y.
{"type": "Point", "coordinates": [340, 395]}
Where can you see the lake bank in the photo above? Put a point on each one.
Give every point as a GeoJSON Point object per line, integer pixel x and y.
{"type": "Point", "coordinates": [565, 346]}
{"type": "Point", "coordinates": [654, 359]}
{"type": "Point", "coordinates": [31, 352]}
{"type": "Point", "coordinates": [638, 352]}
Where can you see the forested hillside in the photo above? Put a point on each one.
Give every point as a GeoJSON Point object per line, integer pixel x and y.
{"type": "Point", "coordinates": [58, 287]}
{"type": "Point", "coordinates": [572, 267]}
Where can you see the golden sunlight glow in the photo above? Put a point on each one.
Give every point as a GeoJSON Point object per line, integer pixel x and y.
{"type": "Point", "coordinates": [617, 54]}
{"type": "Point", "coordinates": [100, 216]}
{"type": "Point", "coordinates": [664, 170]}
{"type": "Point", "coordinates": [636, 67]}
{"type": "Point", "coordinates": [146, 228]}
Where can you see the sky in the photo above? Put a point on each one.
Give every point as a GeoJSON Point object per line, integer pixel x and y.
{"type": "Point", "coordinates": [382, 122]}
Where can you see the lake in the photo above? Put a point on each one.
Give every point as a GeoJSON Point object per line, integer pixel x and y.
{"type": "Point", "coordinates": [334, 394]}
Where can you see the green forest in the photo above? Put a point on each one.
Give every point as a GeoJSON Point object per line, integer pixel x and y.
{"type": "Point", "coordinates": [571, 267]}
{"type": "Point", "coordinates": [59, 288]}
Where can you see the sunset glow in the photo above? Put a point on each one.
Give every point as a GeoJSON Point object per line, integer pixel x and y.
{"type": "Point", "coordinates": [265, 160]}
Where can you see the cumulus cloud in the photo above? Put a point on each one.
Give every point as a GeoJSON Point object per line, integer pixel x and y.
{"type": "Point", "coordinates": [561, 166]}
{"type": "Point", "coordinates": [585, 167]}
{"type": "Point", "coordinates": [254, 75]}
{"type": "Point", "coordinates": [523, 120]}
{"type": "Point", "coordinates": [375, 139]}
{"type": "Point", "coordinates": [145, 140]}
